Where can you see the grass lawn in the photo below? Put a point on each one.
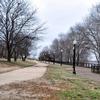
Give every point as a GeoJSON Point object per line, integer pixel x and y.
{"type": "Point", "coordinates": [26, 63]}
{"type": "Point", "coordinates": [58, 83]}
{"type": "Point", "coordinates": [72, 87]}
{"type": "Point", "coordinates": [10, 66]}
{"type": "Point", "coordinates": [19, 63]}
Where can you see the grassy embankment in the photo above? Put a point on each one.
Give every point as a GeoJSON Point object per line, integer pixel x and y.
{"type": "Point", "coordinates": [10, 66]}
{"type": "Point", "coordinates": [19, 63]}
{"type": "Point", "coordinates": [72, 87]}
{"type": "Point", "coordinates": [58, 83]}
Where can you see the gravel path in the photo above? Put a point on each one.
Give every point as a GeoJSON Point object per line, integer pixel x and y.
{"type": "Point", "coordinates": [24, 74]}
{"type": "Point", "coordinates": [86, 73]}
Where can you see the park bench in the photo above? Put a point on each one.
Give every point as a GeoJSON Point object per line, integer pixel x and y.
{"type": "Point", "coordinates": [95, 68]}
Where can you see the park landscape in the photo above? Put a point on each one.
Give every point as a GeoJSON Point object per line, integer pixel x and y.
{"type": "Point", "coordinates": [56, 83]}
{"type": "Point", "coordinates": [67, 69]}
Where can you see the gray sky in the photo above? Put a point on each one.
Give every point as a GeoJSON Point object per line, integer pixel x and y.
{"type": "Point", "coordinates": [60, 15]}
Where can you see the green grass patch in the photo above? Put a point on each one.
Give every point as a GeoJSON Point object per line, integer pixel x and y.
{"type": "Point", "coordinates": [19, 62]}
{"type": "Point", "coordinates": [24, 63]}
{"type": "Point", "coordinates": [79, 88]}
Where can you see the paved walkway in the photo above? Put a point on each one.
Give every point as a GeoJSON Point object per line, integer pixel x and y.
{"type": "Point", "coordinates": [86, 73]}
{"type": "Point", "coordinates": [24, 74]}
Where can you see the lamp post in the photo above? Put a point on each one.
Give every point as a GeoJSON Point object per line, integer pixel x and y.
{"type": "Point", "coordinates": [61, 56]}
{"type": "Point", "coordinates": [54, 57]}
{"type": "Point", "coordinates": [74, 56]}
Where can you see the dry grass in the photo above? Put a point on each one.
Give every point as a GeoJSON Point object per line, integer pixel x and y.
{"type": "Point", "coordinates": [57, 84]}
{"type": "Point", "coordinates": [30, 90]}
{"type": "Point", "coordinates": [7, 66]}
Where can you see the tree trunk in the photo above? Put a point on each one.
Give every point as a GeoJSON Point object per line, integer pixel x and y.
{"type": "Point", "coordinates": [8, 53]}
{"type": "Point", "coordinates": [24, 58]}
{"type": "Point", "coordinates": [9, 57]}
{"type": "Point", "coordinates": [15, 57]}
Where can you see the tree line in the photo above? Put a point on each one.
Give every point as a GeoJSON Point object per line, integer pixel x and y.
{"type": "Point", "coordinates": [87, 34]}
{"type": "Point", "coordinates": [19, 29]}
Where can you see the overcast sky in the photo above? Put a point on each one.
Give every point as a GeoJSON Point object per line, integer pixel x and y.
{"type": "Point", "coordinates": [60, 15]}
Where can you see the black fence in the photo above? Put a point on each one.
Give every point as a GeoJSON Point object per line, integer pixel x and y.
{"type": "Point", "coordinates": [95, 68]}
{"type": "Point", "coordinates": [87, 65]}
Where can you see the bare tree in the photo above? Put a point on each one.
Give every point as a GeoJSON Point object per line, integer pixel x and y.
{"type": "Point", "coordinates": [55, 48]}
{"type": "Point", "coordinates": [65, 42]}
{"type": "Point", "coordinates": [92, 31]}
{"type": "Point", "coordinates": [16, 18]}
{"type": "Point", "coordinates": [87, 35]}
{"type": "Point", "coordinates": [82, 46]}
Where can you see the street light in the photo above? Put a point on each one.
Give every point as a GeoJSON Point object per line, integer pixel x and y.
{"type": "Point", "coordinates": [54, 57]}
{"type": "Point", "coordinates": [61, 56]}
{"type": "Point", "coordinates": [74, 55]}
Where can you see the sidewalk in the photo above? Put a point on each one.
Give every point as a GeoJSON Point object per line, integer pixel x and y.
{"type": "Point", "coordinates": [24, 74]}
{"type": "Point", "coordinates": [86, 73]}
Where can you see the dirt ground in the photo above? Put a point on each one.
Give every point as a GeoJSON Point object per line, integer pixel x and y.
{"type": "Point", "coordinates": [6, 68]}
{"type": "Point", "coordinates": [32, 90]}
{"type": "Point", "coordinates": [42, 88]}
{"type": "Point", "coordinates": [38, 89]}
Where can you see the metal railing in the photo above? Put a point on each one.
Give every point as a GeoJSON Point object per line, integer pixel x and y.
{"type": "Point", "coordinates": [95, 68]}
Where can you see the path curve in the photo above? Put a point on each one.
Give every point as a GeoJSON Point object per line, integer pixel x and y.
{"type": "Point", "coordinates": [24, 74]}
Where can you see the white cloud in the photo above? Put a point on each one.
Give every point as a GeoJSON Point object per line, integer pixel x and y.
{"type": "Point", "coordinates": [60, 15]}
